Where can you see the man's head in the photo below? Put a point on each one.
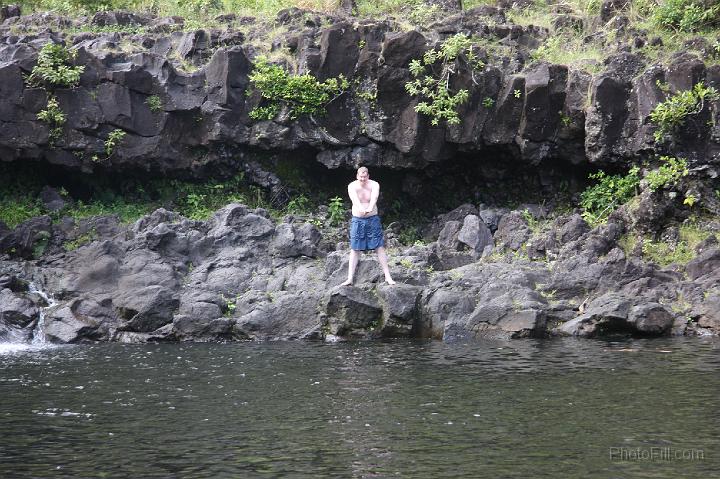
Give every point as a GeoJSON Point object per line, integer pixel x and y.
{"type": "Point", "coordinates": [363, 175]}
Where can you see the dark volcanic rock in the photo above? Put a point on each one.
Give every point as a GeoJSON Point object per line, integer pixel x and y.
{"type": "Point", "coordinates": [17, 316]}
{"type": "Point", "coordinates": [351, 311]}
{"type": "Point", "coordinates": [401, 309]}
{"type": "Point", "coordinates": [614, 313]}
{"type": "Point", "coordinates": [78, 320]}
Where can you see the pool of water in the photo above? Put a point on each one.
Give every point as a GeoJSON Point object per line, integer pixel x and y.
{"type": "Point", "coordinates": [553, 408]}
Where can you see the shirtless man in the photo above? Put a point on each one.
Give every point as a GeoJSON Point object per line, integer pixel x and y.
{"type": "Point", "coordinates": [366, 231]}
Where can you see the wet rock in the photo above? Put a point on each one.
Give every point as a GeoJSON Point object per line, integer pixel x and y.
{"type": "Point", "coordinates": [651, 319]}
{"type": "Point", "coordinates": [500, 318]}
{"type": "Point", "coordinates": [17, 316]}
{"type": "Point", "coordinates": [709, 313]}
{"type": "Point", "coordinates": [613, 313]}
{"type": "Point", "coordinates": [80, 320]}
{"type": "Point", "coordinates": [401, 309]}
{"type": "Point", "coordinates": [286, 316]}
{"type": "Point", "coordinates": [352, 311]}
{"type": "Point", "coordinates": [190, 328]}
{"type": "Point", "coordinates": [147, 309]}
{"type": "Point", "coordinates": [444, 307]}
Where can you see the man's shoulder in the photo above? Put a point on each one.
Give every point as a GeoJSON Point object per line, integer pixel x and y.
{"type": "Point", "coordinates": [353, 184]}
{"type": "Point", "coordinates": [374, 184]}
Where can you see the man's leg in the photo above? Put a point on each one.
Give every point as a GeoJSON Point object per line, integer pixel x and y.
{"type": "Point", "coordinates": [382, 257]}
{"type": "Point", "coordinates": [352, 265]}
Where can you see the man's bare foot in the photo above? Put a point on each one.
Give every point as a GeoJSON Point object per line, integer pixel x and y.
{"type": "Point", "coordinates": [347, 283]}
{"type": "Point", "coordinates": [389, 281]}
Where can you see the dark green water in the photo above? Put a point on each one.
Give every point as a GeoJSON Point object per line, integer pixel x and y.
{"type": "Point", "coordinates": [401, 409]}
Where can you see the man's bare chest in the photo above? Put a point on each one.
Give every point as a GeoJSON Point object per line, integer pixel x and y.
{"type": "Point", "coordinates": [364, 194]}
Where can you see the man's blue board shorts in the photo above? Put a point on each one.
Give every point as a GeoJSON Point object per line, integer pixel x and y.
{"type": "Point", "coordinates": [366, 233]}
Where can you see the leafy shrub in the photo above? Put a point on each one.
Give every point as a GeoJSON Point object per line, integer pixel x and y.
{"type": "Point", "coordinates": [601, 199]}
{"type": "Point", "coordinates": [672, 113]}
{"type": "Point", "coordinates": [54, 117]}
{"type": "Point", "coordinates": [54, 68]}
{"type": "Point", "coordinates": [432, 78]}
{"type": "Point", "coordinates": [668, 174]}
{"type": "Point", "coordinates": [299, 204]}
{"type": "Point", "coordinates": [154, 103]}
{"type": "Point", "coordinates": [686, 15]}
{"type": "Point", "coordinates": [422, 13]}
{"type": "Point", "coordinates": [302, 94]}
{"type": "Point", "coordinates": [113, 139]}
{"type": "Point", "coordinates": [336, 210]}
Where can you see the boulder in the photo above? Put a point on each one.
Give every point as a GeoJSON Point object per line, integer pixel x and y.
{"type": "Point", "coordinates": [706, 263]}
{"type": "Point", "coordinates": [443, 307]}
{"type": "Point", "coordinates": [147, 309]}
{"type": "Point", "coordinates": [17, 316]}
{"type": "Point", "coordinates": [352, 311]}
{"type": "Point", "coordinates": [285, 316]}
{"type": "Point", "coordinates": [614, 313]}
{"type": "Point", "coordinates": [475, 234]}
{"type": "Point", "coordinates": [401, 309]}
{"type": "Point", "coordinates": [291, 241]}
{"type": "Point", "coordinates": [513, 231]}
{"type": "Point", "coordinates": [80, 320]}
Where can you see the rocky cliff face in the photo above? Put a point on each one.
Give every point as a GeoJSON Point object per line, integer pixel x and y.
{"type": "Point", "coordinates": [486, 272]}
{"type": "Point", "coordinates": [517, 109]}
{"type": "Point", "coordinates": [242, 276]}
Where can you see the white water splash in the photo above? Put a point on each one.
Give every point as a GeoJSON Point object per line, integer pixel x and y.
{"type": "Point", "coordinates": [10, 348]}
{"type": "Point", "coordinates": [38, 333]}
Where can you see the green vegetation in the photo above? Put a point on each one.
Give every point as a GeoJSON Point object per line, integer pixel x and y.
{"type": "Point", "coordinates": [54, 68]}
{"type": "Point", "coordinates": [113, 139]}
{"type": "Point", "coordinates": [41, 242]}
{"type": "Point", "coordinates": [610, 191]}
{"type": "Point", "coordinates": [601, 199]}
{"type": "Point", "coordinates": [15, 210]}
{"type": "Point", "coordinates": [299, 204]}
{"type": "Point", "coordinates": [433, 74]}
{"type": "Point", "coordinates": [80, 241]}
{"type": "Point", "coordinates": [663, 253]}
{"type": "Point", "coordinates": [301, 94]}
{"type": "Point", "coordinates": [674, 112]}
{"type": "Point", "coordinates": [230, 305]}
{"type": "Point", "coordinates": [54, 117]}
{"type": "Point", "coordinates": [668, 174]}
{"type": "Point", "coordinates": [336, 211]}
{"type": "Point", "coordinates": [154, 103]}
{"type": "Point", "coordinates": [534, 224]}
{"type": "Point", "coordinates": [130, 200]}
{"type": "Point", "coordinates": [686, 15]}
{"type": "Point", "coordinates": [570, 48]}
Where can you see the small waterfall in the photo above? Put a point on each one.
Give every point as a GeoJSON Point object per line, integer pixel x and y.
{"type": "Point", "coordinates": [38, 333]}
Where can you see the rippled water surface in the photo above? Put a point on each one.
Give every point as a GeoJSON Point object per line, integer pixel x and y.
{"type": "Point", "coordinates": [557, 409]}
